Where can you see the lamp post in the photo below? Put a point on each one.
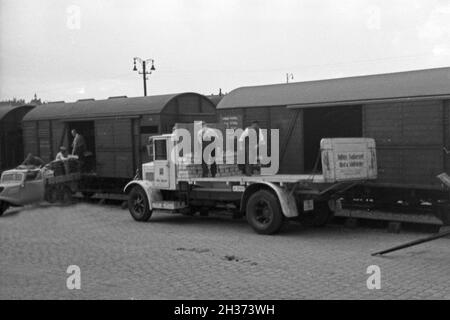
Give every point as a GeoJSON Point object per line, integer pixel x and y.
{"type": "Point", "coordinates": [144, 64]}
{"type": "Point", "coordinates": [289, 76]}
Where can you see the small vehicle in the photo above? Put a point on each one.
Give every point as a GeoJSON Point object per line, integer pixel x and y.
{"type": "Point", "coordinates": [19, 187]}
{"type": "Point", "coordinates": [266, 200]}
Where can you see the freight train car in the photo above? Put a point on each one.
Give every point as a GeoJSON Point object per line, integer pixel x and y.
{"type": "Point", "coordinates": [11, 147]}
{"type": "Point", "coordinates": [408, 114]}
{"type": "Point", "coordinates": [116, 131]}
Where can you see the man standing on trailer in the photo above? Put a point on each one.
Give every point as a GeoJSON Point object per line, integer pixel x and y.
{"type": "Point", "coordinates": [249, 168]}
{"type": "Point", "coordinates": [205, 137]}
{"type": "Point", "coordinates": [78, 145]}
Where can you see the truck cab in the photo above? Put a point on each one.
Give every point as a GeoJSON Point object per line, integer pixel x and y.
{"type": "Point", "coordinates": [19, 187]}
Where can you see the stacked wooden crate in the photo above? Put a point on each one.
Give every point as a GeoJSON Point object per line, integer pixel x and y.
{"type": "Point", "coordinates": [229, 166]}
{"type": "Point", "coordinates": [227, 170]}
{"type": "Point", "coordinates": [187, 169]}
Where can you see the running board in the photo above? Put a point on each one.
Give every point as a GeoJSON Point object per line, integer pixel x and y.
{"type": "Point", "coordinates": [169, 205]}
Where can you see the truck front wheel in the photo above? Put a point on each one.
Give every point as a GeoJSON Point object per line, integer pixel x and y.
{"type": "Point", "coordinates": [138, 204]}
{"type": "Point", "coordinates": [263, 212]}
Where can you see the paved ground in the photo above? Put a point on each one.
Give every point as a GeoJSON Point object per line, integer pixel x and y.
{"type": "Point", "coordinates": [173, 257]}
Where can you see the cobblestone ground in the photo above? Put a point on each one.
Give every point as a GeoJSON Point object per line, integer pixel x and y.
{"type": "Point", "coordinates": [179, 257]}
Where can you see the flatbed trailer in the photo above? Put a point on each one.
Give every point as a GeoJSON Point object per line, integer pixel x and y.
{"type": "Point", "coordinates": [61, 188]}
{"type": "Point", "coordinates": [266, 200]}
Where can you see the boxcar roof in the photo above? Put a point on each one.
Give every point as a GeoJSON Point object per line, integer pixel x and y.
{"type": "Point", "coordinates": [215, 98]}
{"type": "Point", "coordinates": [419, 84]}
{"type": "Point", "coordinates": [116, 106]}
{"type": "Point", "coordinates": [6, 109]}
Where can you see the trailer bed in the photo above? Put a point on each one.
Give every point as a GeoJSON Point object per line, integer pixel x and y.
{"type": "Point", "coordinates": [63, 178]}
{"type": "Point", "coordinates": [278, 178]}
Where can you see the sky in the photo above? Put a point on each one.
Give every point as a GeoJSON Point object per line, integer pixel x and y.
{"type": "Point", "coordinates": [79, 49]}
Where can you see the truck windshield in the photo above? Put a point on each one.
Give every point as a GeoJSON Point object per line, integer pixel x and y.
{"type": "Point", "coordinates": [11, 177]}
{"type": "Point", "coordinates": [160, 149]}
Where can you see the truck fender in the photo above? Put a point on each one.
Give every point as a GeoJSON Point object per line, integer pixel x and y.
{"type": "Point", "coordinates": [287, 200]}
{"type": "Point", "coordinates": [152, 193]}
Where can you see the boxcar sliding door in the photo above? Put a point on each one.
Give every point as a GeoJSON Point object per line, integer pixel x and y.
{"type": "Point", "coordinates": [114, 148]}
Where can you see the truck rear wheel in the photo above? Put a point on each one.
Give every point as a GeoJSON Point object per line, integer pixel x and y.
{"type": "Point", "coordinates": [138, 204]}
{"type": "Point", "coordinates": [263, 212]}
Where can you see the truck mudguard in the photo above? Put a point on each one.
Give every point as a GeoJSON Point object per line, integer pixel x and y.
{"type": "Point", "coordinates": [152, 193]}
{"type": "Point", "coordinates": [287, 200]}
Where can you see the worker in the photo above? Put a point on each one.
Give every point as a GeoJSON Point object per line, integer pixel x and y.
{"type": "Point", "coordinates": [249, 168]}
{"type": "Point", "coordinates": [78, 145]}
{"type": "Point", "coordinates": [62, 154]}
{"type": "Point", "coordinates": [33, 161]}
{"type": "Point", "coordinates": [205, 137]}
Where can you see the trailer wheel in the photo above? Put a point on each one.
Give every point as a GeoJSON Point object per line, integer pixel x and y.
{"type": "Point", "coordinates": [66, 195]}
{"type": "Point", "coordinates": [3, 207]}
{"type": "Point", "coordinates": [87, 194]}
{"type": "Point", "coordinates": [138, 204]}
{"type": "Point", "coordinates": [51, 195]}
{"type": "Point", "coordinates": [263, 212]}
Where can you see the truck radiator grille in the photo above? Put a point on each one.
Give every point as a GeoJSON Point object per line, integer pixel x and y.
{"type": "Point", "coordinates": [149, 176]}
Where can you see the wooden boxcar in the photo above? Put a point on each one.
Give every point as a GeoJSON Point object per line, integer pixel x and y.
{"type": "Point", "coordinates": [408, 114]}
{"type": "Point", "coordinates": [11, 148]}
{"type": "Point", "coordinates": [116, 130]}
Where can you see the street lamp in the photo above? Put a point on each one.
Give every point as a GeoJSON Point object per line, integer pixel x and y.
{"type": "Point", "coordinates": [144, 72]}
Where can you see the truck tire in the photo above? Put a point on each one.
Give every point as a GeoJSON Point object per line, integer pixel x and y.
{"type": "Point", "coordinates": [263, 212]}
{"type": "Point", "coordinates": [138, 204]}
{"type": "Point", "coordinates": [3, 207]}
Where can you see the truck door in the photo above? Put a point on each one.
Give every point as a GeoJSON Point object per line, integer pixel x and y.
{"type": "Point", "coordinates": [32, 189]}
{"type": "Point", "coordinates": [161, 162]}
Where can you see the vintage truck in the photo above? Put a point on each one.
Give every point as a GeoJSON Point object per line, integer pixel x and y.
{"type": "Point", "coordinates": [266, 200]}
{"type": "Point", "coordinates": [19, 187]}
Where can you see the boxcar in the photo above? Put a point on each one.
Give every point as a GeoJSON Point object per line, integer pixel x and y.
{"type": "Point", "coordinates": [116, 131]}
{"type": "Point", "coordinates": [408, 114]}
{"type": "Point", "coordinates": [11, 148]}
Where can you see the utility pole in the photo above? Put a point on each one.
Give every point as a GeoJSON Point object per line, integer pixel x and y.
{"type": "Point", "coordinates": [144, 72]}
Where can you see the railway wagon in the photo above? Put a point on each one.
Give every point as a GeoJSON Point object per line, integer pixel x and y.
{"type": "Point", "coordinates": [407, 113]}
{"type": "Point", "coordinates": [11, 148]}
{"type": "Point", "coordinates": [115, 130]}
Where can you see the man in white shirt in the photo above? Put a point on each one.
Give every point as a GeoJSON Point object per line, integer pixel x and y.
{"type": "Point", "coordinates": [250, 168]}
{"type": "Point", "coordinates": [205, 137]}
{"type": "Point", "coordinates": [62, 154]}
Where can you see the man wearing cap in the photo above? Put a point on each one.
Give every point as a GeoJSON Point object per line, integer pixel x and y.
{"type": "Point", "coordinates": [244, 141]}
{"type": "Point", "coordinates": [205, 137]}
{"type": "Point", "coordinates": [62, 154]}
